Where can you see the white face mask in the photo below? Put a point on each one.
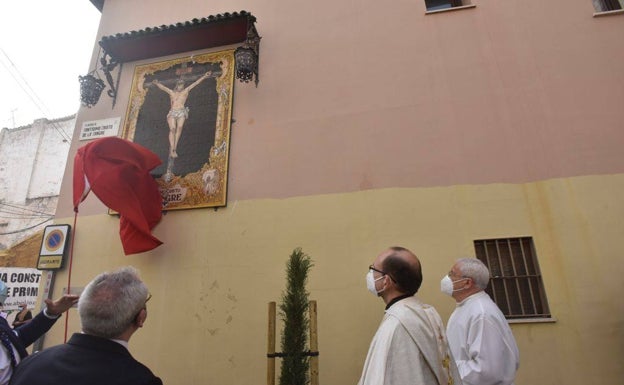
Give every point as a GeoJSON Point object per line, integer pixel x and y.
{"type": "Point", "coordinates": [446, 285]}
{"type": "Point", "coordinates": [370, 283]}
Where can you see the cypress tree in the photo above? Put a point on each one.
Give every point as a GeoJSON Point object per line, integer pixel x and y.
{"type": "Point", "coordinates": [294, 314]}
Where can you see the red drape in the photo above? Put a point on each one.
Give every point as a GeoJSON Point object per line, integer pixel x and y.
{"type": "Point", "coordinates": [117, 171]}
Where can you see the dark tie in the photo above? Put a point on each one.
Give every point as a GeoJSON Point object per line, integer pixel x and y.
{"type": "Point", "coordinates": [4, 337]}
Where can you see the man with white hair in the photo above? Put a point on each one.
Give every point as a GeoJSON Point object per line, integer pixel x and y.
{"type": "Point", "coordinates": [112, 307]}
{"type": "Point", "coordinates": [479, 336]}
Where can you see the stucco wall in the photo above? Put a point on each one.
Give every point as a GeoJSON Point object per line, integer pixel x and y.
{"type": "Point", "coordinates": [216, 271]}
{"type": "Point", "coordinates": [32, 164]}
{"type": "Point", "coordinates": [387, 96]}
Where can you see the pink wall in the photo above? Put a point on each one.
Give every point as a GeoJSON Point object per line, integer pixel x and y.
{"type": "Point", "coordinates": [506, 92]}
{"type": "Point", "coordinates": [364, 96]}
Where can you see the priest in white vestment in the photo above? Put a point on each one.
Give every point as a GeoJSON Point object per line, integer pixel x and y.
{"type": "Point", "coordinates": [479, 335]}
{"type": "Point", "coordinates": [410, 346]}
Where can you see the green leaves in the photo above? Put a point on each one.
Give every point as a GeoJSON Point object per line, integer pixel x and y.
{"type": "Point", "coordinates": [294, 313]}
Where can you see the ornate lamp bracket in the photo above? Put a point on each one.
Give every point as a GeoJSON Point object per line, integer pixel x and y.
{"type": "Point", "coordinates": [108, 66]}
{"type": "Point", "coordinates": [91, 87]}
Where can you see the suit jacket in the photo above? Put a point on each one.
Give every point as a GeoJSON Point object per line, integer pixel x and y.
{"type": "Point", "coordinates": [27, 333]}
{"type": "Point", "coordinates": [83, 360]}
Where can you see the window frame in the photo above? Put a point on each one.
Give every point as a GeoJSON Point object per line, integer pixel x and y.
{"type": "Point", "coordinates": [607, 5]}
{"type": "Point", "coordinates": [451, 4]}
{"type": "Point", "coordinates": [464, 4]}
{"type": "Point", "coordinates": [516, 283]}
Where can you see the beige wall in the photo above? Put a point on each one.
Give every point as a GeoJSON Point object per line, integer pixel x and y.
{"type": "Point", "coordinates": [215, 272]}
{"type": "Point", "coordinates": [377, 125]}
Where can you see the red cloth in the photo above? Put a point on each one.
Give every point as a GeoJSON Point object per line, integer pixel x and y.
{"type": "Point", "coordinates": [117, 171]}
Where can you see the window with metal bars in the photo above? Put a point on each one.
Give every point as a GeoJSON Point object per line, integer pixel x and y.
{"type": "Point", "coordinates": [515, 279]}
{"type": "Point", "coordinates": [434, 5]}
{"type": "Point", "coordinates": [607, 5]}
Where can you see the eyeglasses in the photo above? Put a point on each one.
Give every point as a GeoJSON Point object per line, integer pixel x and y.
{"type": "Point", "coordinates": [461, 277]}
{"type": "Point", "coordinates": [149, 296]}
{"type": "Point", "coordinates": [451, 274]}
{"type": "Point", "coordinates": [371, 267]}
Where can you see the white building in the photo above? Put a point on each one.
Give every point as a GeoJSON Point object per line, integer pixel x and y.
{"type": "Point", "coordinates": [32, 163]}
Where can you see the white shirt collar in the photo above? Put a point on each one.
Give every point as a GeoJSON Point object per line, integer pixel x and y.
{"type": "Point", "coordinates": [475, 295]}
{"type": "Point", "coordinates": [122, 343]}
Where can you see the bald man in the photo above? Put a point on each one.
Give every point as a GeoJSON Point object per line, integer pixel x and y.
{"type": "Point", "coordinates": [410, 345]}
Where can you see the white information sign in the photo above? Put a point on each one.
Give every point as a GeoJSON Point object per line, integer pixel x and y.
{"type": "Point", "coordinates": [23, 286]}
{"type": "Point", "coordinates": [96, 129]}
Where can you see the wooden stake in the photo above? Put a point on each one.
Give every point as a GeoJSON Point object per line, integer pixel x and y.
{"type": "Point", "coordinates": [271, 346]}
{"type": "Point", "coordinates": [314, 360]}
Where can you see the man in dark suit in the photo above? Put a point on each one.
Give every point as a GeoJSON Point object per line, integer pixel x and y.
{"type": "Point", "coordinates": [112, 307]}
{"type": "Point", "coordinates": [23, 316]}
{"type": "Point", "coordinates": [15, 341]}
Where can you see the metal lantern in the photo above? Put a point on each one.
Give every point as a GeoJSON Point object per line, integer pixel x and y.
{"type": "Point", "coordinates": [90, 90]}
{"type": "Point", "coordinates": [246, 57]}
{"type": "Point", "coordinates": [246, 64]}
